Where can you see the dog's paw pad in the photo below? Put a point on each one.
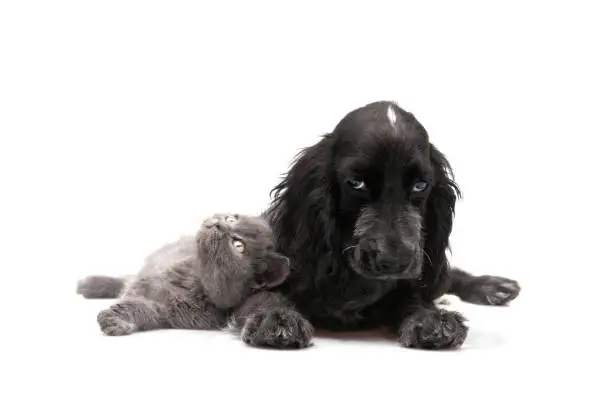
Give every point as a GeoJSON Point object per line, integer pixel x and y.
{"type": "Point", "coordinates": [499, 291]}
{"type": "Point", "coordinates": [433, 329]}
{"type": "Point", "coordinates": [280, 328]}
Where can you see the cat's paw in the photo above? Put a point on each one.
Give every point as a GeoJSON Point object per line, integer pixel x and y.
{"type": "Point", "coordinates": [433, 329]}
{"type": "Point", "coordinates": [280, 328]}
{"type": "Point", "coordinates": [492, 290]}
{"type": "Point", "coordinates": [113, 325]}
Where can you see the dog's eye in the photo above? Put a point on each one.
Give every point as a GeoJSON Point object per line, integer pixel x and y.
{"type": "Point", "coordinates": [419, 186]}
{"type": "Point", "coordinates": [356, 184]}
{"type": "Point", "coordinates": [239, 245]}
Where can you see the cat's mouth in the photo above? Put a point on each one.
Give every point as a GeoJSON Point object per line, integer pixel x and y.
{"type": "Point", "coordinates": [217, 231]}
{"type": "Point", "coordinates": [214, 235]}
{"type": "Point", "coordinates": [214, 231]}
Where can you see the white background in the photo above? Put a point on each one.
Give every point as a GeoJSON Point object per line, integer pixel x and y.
{"type": "Point", "coordinates": [123, 123]}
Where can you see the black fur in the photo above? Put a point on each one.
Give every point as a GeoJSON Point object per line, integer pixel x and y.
{"type": "Point", "coordinates": [365, 217]}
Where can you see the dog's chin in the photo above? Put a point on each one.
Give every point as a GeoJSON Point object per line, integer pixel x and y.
{"type": "Point", "coordinates": [408, 275]}
{"type": "Point", "coordinates": [412, 272]}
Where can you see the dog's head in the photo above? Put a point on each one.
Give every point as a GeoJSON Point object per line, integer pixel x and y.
{"type": "Point", "coordinates": [374, 190]}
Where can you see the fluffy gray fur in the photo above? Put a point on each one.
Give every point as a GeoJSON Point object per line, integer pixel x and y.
{"type": "Point", "coordinates": [195, 282]}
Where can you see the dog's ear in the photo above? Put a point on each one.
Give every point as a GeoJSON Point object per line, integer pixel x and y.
{"type": "Point", "coordinates": [273, 271]}
{"type": "Point", "coordinates": [302, 207]}
{"type": "Point", "coordinates": [439, 215]}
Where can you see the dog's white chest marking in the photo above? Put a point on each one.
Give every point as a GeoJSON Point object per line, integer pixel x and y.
{"type": "Point", "coordinates": [448, 302]}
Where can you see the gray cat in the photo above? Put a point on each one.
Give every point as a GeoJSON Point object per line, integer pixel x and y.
{"type": "Point", "coordinates": [195, 282]}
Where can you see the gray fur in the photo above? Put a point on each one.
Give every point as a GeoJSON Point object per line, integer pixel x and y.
{"type": "Point", "coordinates": [194, 282]}
{"type": "Point", "coordinates": [100, 287]}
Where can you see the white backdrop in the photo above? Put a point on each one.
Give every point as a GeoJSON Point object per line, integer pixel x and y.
{"type": "Point", "coordinates": [123, 123]}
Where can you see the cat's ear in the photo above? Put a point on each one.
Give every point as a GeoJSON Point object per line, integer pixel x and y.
{"type": "Point", "coordinates": [274, 272]}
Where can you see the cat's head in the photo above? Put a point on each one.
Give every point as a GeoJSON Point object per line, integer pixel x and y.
{"type": "Point", "coordinates": [237, 258]}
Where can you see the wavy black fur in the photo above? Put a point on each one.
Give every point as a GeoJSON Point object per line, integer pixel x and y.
{"type": "Point", "coordinates": [367, 244]}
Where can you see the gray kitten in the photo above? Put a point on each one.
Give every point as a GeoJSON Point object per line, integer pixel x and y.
{"type": "Point", "coordinates": [194, 282]}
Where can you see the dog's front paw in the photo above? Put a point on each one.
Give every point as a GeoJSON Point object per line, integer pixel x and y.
{"type": "Point", "coordinates": [433, 329]}
{"type": "Point", "coordinates": [113, 325]}
{"type": "Point", "coordinates": [278, 328]}
{"type": "Point", "coordinates": [492, 290]}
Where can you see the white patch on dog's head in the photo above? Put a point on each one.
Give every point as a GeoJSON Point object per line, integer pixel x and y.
{"type": "Point", "coordinates": [392, 116]}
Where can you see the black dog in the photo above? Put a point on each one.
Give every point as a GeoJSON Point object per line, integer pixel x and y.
{"type": "Point", "coordinates": [365, 217]}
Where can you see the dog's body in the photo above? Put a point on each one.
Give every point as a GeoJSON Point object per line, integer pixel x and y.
{"type": "Point", "coordinates": [365, 216]}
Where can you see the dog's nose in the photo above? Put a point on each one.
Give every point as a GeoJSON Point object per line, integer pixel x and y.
{"type": "Point", "coordinates": [390, 264]}
{"type": "Point", "coordinates": [384, 259]}
{"type": "Point", "coordinates": [385, 265]}
{"type": "Point", "coordinates": [368, 251]}
{"type": "Point", "coordinates": [379, 261]}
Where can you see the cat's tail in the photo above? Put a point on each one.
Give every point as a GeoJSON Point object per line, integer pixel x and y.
{"type": "Point", "coordinates": [101, 287]}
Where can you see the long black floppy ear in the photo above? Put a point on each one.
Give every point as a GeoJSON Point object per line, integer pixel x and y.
{"type": "Point", "coordinates": [439, 215]}
{"type": "Point", "coordinates": [302, 205]}
{"type": "Point", "coordinates": [273, 271]}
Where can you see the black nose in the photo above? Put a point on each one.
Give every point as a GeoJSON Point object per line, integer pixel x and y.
{"type": "Point", "coordinates": [382, 261]}
{"type": "Point", "coordinates": [386, 265]}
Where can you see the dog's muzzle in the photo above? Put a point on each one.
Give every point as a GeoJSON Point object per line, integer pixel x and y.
{"type": "Point", "coordinates": [387, 259]}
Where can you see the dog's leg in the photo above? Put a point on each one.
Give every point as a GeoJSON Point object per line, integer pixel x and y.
{"type": "Point", "coordinates": [422, 325]}
{"type": "Point", "coordinates": [268, 319]}
{"type": "Point", "coordinates": [482, 290]}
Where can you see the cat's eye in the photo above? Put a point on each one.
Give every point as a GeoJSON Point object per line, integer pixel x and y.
{"type": "Point", "coordinates": [239, 245]}
{"type": "Point", "coordinates": [356, 184]}
{"type": "Point", "coordinates": [420, 186]}
{"type": "Point", "coordinates": [230, 219]}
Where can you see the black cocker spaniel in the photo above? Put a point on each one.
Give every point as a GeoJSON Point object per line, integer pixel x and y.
{"type": "Point", "coordinates": [365, 216]}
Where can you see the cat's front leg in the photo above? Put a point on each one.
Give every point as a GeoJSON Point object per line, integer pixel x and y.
{"type": "Point", "coordinates": [196, 314]}
{"type": "Point", "coordinates": [131, 315]}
